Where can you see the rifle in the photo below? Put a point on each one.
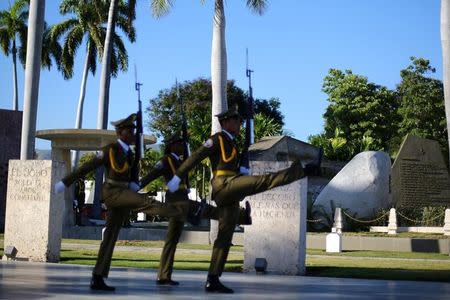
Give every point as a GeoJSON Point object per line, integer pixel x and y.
{"type": "Point", "coordinates": [249, 138]}
{"type": "Point", "coordinates": [139, 149]}
{"type": "Point", "coordinates": [184, 133]}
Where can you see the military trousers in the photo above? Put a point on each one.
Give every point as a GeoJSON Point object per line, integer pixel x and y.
{"type": "Point", "coordinates": [120, 202]}
{"type": "Point", "coordinates": [175, 229]}
{"type": "Point", "coordinates": [228, 192]}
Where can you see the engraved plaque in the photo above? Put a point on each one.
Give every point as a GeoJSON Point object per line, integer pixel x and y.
{"type": "Point", "coordinates": [33, 212]}
{"type": "Point", "coordinates": [278, 232]}
{"type": "Point", "coordinates": [419, 175]}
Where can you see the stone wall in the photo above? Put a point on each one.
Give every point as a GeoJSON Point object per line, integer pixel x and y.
{"type": "Point", "coordinates": [10, 135]}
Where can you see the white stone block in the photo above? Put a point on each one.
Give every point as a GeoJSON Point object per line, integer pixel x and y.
{"type": "Point", "coordinates": [34, 212]}
{"type": "Point", "coordinates": [141, 216]}
{"type": "Point", "coordinates": [333, 242]}
{"type": "Point", "coordinates": [278, 232]}
{"type": "Point", "coordinates": [361, 188]}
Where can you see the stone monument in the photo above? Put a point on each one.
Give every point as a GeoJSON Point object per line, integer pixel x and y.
{"type": "Point", "coordinates": [34, 215]}
{"type": "Point", "coordinates": [419, 175]}
{"type": "Point", "coordinates": [278, 232]}
{"type": "Point", "coordinates": [9, 149]}
{"type": "Point", "coordinates": [360, 188]}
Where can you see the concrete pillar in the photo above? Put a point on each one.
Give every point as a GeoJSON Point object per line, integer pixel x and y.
{"type": "Point", "coordinates": [338, 220]}
{"type": "Point", "coordinates": [447, 222]}
{"type": "Point", "coordinates": [392, 226]}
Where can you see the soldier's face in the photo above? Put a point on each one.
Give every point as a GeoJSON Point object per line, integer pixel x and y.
{"type": "Point", "coordinates": [232, 125]}
{"type": "Point", "coordinates": [127, 135]}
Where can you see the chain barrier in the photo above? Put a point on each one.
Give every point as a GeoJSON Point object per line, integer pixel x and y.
{"type": "Point", "coordinates": [314, 221]}
{"type": "Point", "coordinates": [365, 221]}
{"type": "Point", "coordinates": [419, 221]}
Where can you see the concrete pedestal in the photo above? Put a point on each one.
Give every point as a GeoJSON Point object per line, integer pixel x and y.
{"type": "Point", "coordinates": [278, 232]}
{"type": "Point", "coordinates": [34, 215]}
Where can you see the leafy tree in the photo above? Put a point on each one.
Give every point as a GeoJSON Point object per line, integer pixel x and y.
{"type": "Point", "coordinates": [85, 158]}
{"type": "Point", "coordinates": [165, 118]}
{"type": "Point", "coordinates": [151, 157]}
{"type": "Point", "coordinates": [270, 108]}
{"type": "Point", "coordinates": [422, 107]}
{"type": "Point", "coordinates": [365, 114]}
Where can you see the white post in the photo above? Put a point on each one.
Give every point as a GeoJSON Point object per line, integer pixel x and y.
{"type": "Point", "coordinates": [334, 242]}
{"type": "Point", "coordinates": [447, 222]}
{"type": "Point", "coordinates": [392, 226]}
{"type": "Point", "coordinates": [337, 226]}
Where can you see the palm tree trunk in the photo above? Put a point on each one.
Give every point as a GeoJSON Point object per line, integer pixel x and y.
{"type": "Point", "coordinates": [445, 40]}
{"type": "Point", "coordinates": [79, 119]}
{"type": "Point", "coordinates": [218, 66]}
{"type": "Point", "coordinates": [103, 100]}
{"type": "Point", "coordinates": [15, 89]}
{"type": "Point", "coordinates": [32, 72]}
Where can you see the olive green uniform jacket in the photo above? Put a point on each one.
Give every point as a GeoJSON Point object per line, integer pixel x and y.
{"type": "Point", "coordinates": [229, 187]}
{"type": "Point", "coordinates": [118, 198]}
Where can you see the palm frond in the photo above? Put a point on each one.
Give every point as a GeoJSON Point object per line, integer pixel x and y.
{"type": "Point", "coordinates": [5, 42]}
{"type": "Point", "coordinates": [161, 7]}
{"type": "Point", "coordinates": [257, 6]}
{"type": "Point", "coordinates": [129, 30]}
{"type": "Point", "coordinates": [92, 56]}
{"type": "Point", "coordinates": [122, 54]}
{"type": "Point", "coordinates": [57, 30]}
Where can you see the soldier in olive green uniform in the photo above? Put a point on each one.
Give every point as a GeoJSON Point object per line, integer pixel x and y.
{"type": "Point", "coordinates": [119, 193]}
{"type": "Point", "coordinates": [167, 167]}
{"type": "Point", "coordinates": [229, 186]}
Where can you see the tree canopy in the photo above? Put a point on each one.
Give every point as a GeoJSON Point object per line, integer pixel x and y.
{"type": "Point", "coordinates": [362, 115]}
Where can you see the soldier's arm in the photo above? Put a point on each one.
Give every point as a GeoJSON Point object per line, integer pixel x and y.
{"type": "Point", "coordinates": [98, 160]}
{"type": "Point", "coordinates": [154, 173]}
{"type": "Point", "coordinates": [207, 149]}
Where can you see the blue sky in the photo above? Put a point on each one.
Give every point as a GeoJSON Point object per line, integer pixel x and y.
{"type": "Point", "coordinates": [292, 47]}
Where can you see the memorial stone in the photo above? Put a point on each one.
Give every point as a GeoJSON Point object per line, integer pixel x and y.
{"type": "Point", "coordinates": [361, 188]}
{"type": "Point", "coordinates": [278, 232]}
{"type": "Point", "coordinates": [33, 211]}
{"type": "Point", "coordinates": [10, 136]}
{"type": "Point", "coordinates": [419, 175]}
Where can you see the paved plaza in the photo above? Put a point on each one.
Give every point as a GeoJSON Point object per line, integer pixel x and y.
{"type": "Point", "coordinates": [25, 280]}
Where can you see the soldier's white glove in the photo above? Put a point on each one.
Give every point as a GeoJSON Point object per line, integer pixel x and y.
{"type": "Point", "coordinates": [174, 183]}
{"type": "Point", "coordinates": [134, 186]}
{"type": "Point", "coordinates": [59, 187]}
{"type": "Point", "coordinates": [244, 170]}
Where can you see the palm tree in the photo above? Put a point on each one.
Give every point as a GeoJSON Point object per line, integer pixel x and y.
{"type": "Point", "coordinates": [32, 74]}
{"type": "Point", "coordinates": [13, 26]}
{"type": "Point", "coordinates": [445, 40]}
{"type": "Point", "coordinates": [218, 51]}
{"type": "Point", "coordinates": [88, 25]}
{"type": "Point", "coordinates": [128, 11]}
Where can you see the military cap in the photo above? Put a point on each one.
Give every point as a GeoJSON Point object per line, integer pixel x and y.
{"type": "Point", "coordinates": [124, 123]}
{"type": "Point", "coordinates": [231, 113]}
{"type": "Point", "coordinates": [173, 139]}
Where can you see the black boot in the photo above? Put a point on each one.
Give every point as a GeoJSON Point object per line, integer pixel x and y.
{"type": "Point", "coordinates": [97, 283]}
{"type": "Point", "coordinates": [213, 285]}
{"type": "Point", "coordinates": [195, 212]}
{"type": "Point", "coordinates": [166, 282]}
{"type": "Point", "coordinates": [248, 214]}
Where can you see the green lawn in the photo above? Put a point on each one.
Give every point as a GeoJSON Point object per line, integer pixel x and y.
{"type": "Point", "coordinates": [354, 264]}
